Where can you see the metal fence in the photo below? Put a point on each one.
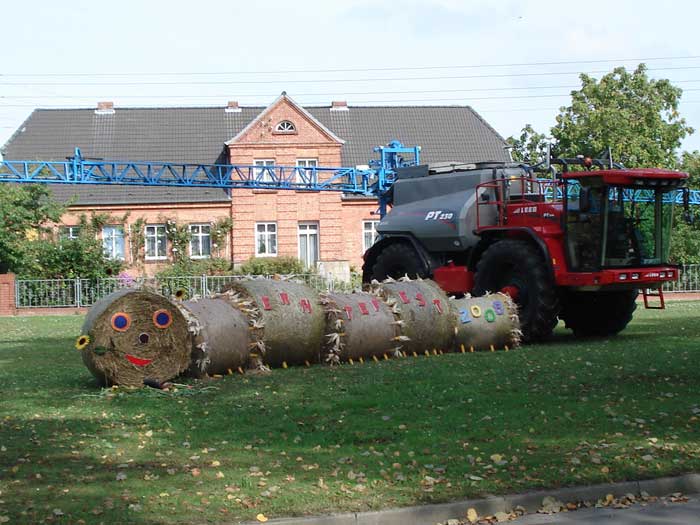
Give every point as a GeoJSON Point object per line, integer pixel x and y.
{"type": "Point", "coordinates": [688, 280]}
{"type": "Point", "coordinates": [57, 293]}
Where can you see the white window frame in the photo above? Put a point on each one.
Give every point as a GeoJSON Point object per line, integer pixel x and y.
{"type": "Point", "coordinates": [303, 229]}
{"type": "Point", "coordinates": [304, 163]}
{"type": "Point", "coordinates": [266, 177]}
{"type": "Point", "coordinates": [196, 231]}
{"type": "Point", "coordinates": [267, 235]}
{"type": "Point", "coordinates": [109, 243]}
{"type": "Point", "coordinates": [146, 236]}
{"type": "Point", "coordinates": [69, 232]}
{"type": "Point", "coordinates": [365, 230]}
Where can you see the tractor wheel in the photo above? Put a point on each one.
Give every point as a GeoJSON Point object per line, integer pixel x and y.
{"type": "Point", "coordinates": [518, 269]}
{"type": "Point", "coordinates": [598, 314]}
{"type": "Point", "coordinates": [396, 260]}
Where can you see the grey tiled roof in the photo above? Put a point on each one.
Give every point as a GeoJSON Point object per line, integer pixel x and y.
{"type": "Point", "coordinates": [197, 135]}
{"type": "Point", "coordinates": [444, 133]}
{"type": "Point", "coordinates": [102, 195]}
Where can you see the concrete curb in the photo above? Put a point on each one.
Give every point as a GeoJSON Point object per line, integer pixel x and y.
{"type": "Point", "coordinates": [531, 501]}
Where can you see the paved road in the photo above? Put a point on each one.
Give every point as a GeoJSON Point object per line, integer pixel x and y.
{"type": "Point", "coordinates": [658, 513]}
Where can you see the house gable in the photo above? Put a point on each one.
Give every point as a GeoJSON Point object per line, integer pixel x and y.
{"type": "Point", "coordinates": [284, 122]}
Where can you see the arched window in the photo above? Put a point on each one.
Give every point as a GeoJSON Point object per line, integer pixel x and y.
{"type": "Point", "coordinates": [285, 126]}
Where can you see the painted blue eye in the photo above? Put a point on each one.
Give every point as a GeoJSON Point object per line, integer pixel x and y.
{"type": "Point", "coordinates": [121, 322]}
{"type": "Point", "coordinates": [162, 319]}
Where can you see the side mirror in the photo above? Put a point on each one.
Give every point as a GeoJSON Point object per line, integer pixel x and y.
{"type": "Point", "coordinates": [584, 200]}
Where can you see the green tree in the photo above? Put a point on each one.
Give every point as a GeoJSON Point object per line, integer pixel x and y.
{"type": "Point", "coordinates": [529, 147]}
{"type": "Point", "coordinates": [51, 258]}
{"type": "Point", "coordinates": [637, 117]}
{"type": "Point", "coordinates": [28, 245]}
{"type": "Point", "coordinates": [690, 163]}
{"type": "Point", "coordinates": [25, 213]}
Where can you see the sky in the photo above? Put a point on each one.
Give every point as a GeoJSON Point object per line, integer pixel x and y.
{"type": "Point", "coordinates": [514, 62]}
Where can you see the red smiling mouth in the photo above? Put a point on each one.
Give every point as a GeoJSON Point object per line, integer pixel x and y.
{"type": "Point", "coordinates": [138, 361]}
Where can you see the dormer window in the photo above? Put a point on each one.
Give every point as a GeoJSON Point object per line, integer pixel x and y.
{"type": "Point", "coordinates": [286, 127]}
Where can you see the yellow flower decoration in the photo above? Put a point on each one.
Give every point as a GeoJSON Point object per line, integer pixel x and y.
{"type": "Point", "coordinates": [82, 342]}
{"type": "Point", "coordinates": [180, 294]}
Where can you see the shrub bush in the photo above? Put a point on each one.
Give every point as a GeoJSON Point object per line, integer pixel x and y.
{"type": "Point", "coordinates": [213, 266]}
{"type": "Point", "coordinates": [272, 265]}
{"type": "Point", "coordinates": [67, 259]}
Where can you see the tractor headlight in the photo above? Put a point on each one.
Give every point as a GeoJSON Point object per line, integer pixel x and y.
{"type": "Point", "coordinates": [622, 277]}
{"type": "Point", "coordinates": [635, 276]}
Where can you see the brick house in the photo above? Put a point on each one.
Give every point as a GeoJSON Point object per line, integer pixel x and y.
{"type": "Point", "coordinates": [328, 229]}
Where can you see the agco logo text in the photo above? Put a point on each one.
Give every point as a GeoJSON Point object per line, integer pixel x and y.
{"type": "Point", "coordinates": [439, 215]}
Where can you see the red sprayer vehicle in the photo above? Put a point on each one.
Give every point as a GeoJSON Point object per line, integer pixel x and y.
{"type": "Point", "coordinates": [578, 246]}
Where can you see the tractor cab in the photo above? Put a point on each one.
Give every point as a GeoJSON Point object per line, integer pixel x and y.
{"type": "Point", "coordinates": [618, 219]}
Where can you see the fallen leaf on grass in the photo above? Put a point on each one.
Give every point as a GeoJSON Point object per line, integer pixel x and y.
{"type": "Point", "coordinates": [261, 518]}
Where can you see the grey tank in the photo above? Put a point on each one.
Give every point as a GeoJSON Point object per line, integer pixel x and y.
{"type": "Point", "coordinates": [437, 203]}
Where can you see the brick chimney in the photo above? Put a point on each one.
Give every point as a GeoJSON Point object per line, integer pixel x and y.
{"type": "Point", "coordinates": [339, 105]}
{"type": "Point", "coordinates": [105, 108]}
{"type": "Point", "coordinates": [232, 107]}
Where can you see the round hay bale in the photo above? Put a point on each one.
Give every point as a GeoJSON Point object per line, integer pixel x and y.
{"type": "Point", "coordinates": [222, 341]}
{"type": "Point", "coordinates": [358, 325]}
{"type": "Point", "coordinates": [286, 320]}
{"type": "Point", "coordinates": [483, 322]}
{"type": "Point", "coordinates": [427, 322]}
{"type": "Point", "coordinates": [135, 335]}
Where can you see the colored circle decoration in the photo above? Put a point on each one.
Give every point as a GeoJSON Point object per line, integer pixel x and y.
{"type": "Point", "coordinates": [475, 310]}
{"type": "Point", "coordinates": [82, 342]}
{"type": "Point", "coordinates": [498, 307]}
{"type": "Point", "coordinates": [180, 294]}
{"type": "Point", "coordinates": [490, 315]}
{"type": "Point", "coordinates": [121, 321]}
{"type": "Point", "coordinates": [162, 319]}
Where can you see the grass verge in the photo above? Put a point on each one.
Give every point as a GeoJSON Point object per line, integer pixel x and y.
{"type": "Point", "coordinates": [315, 440]}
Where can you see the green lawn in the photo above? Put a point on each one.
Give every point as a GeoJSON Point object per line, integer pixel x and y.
{"type": "Point", "coordinates": [313, 440]}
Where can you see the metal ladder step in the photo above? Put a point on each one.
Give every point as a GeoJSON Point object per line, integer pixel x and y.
{"type": "Point", "coordinates": [654, 292]}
